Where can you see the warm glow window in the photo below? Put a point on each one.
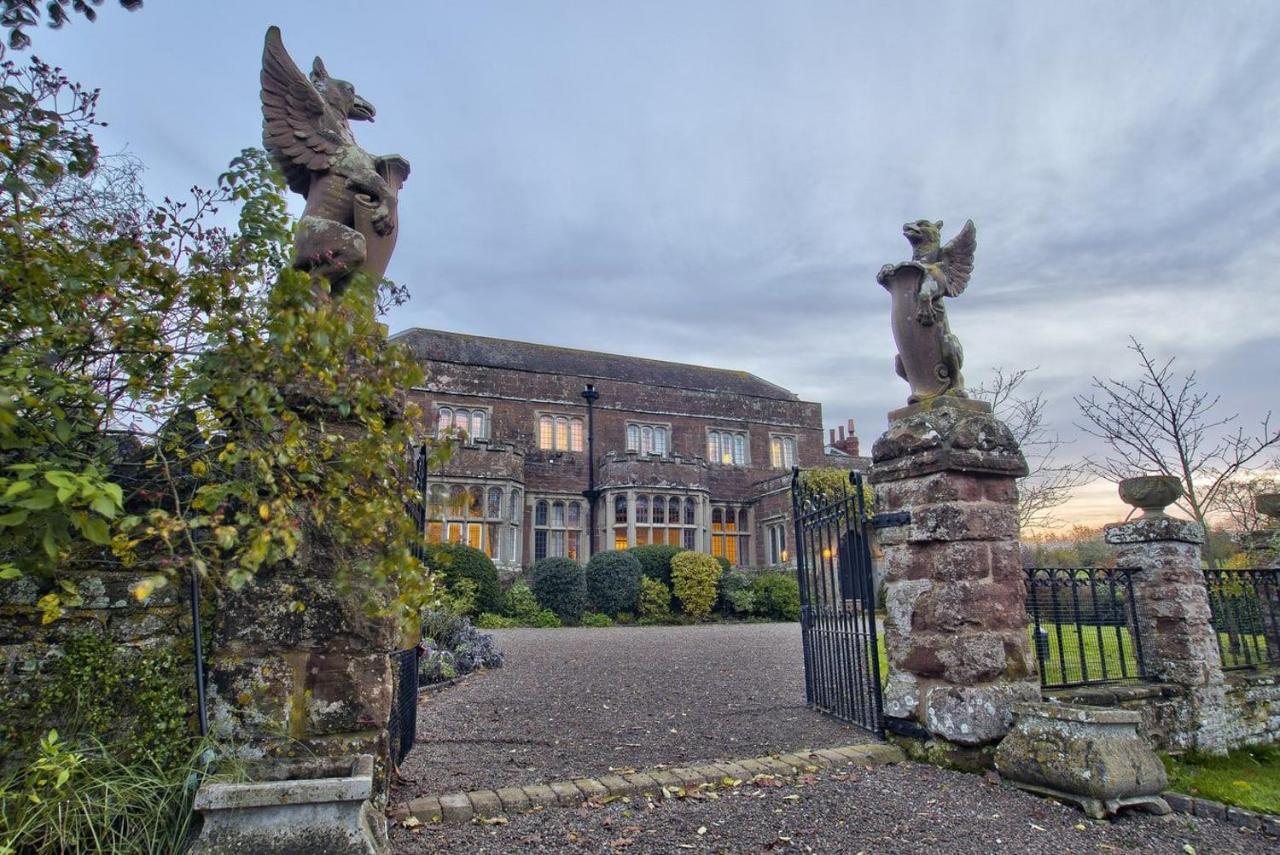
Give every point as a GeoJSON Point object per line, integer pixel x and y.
{"type": "Point", "coordinates": [727, 446]}
{"type": "Point", "coordinates": [474, 515]}
{"type": "Point", "coordinates": [648, 439]}
{"type": "Point", "coordinates": [782, 452]}
{"type": "Point", "coordinates": [560, 433]}
{"type": "Point", "coordinates": [730, 534]}
{"type": "Point", "coordinates": [777, 534]}
{"type": "Point", "coordinates": [655, 519]}
{"type": "Point", "coordinates": [465, 423]}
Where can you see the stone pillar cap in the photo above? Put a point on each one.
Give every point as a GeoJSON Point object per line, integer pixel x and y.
{"type": "Point", "coordinates": [945, 434]}
{"type": "Point", "coordinates": [1153, 529]}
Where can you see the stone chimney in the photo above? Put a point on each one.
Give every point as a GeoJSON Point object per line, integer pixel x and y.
{"type": "Point", "coordinates": [846, 443]}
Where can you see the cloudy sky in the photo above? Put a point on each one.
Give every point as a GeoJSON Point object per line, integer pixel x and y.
{"type": "Point", "coordinates": [718, 182]}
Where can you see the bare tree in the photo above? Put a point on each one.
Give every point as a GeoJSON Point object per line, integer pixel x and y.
{"type": "Point", "coordinates": [1239, 499]}
{"type": "Point", "coordinates": [1164, 424]}
{"type": "Point", "coordinates": [1050, 481]}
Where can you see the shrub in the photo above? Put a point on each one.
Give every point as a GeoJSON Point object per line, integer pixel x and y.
{"type": "Point", "coordinates": [560, 585]}
{"type": "Point", "coordinates": [725, 566]}
{"type": "Point", "coordinates": [454, 647]}
{"type": "Point", "coordinates": [456, 561]}
{"type": "Point", "coordinates": [461, 596]}
{"type": "Point", "coordinates": [695, 576]}
{"type": "Point", "coordinates": [736, 597]}
{"type": "Point", "coordinates": [488, 620]}
{"type": "Point", "coordinates": [655, 601]}
{"type": "Point", "coordinates": [655, 560]}
{"type": "Point", "coordinates": [521, 604]}
{"type": "Point", "coordinates": [545, 619]}
{"type": "Point", "coordinates": [777, 596]}
{"type": "Point", "coordinates": [613, 582]}
{"type": "Point", "coordinates": [596, 619]}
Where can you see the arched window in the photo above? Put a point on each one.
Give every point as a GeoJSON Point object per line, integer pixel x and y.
{"type": "Point", "coordinates": [660, 441]}
{"type": "Point", "coordinates": [673, 511]}
{"type": "Point", "coordinates": [559, 433]}
{"type": "Point", "coordinates": [494, 509]}
{"type": "Point", "coordinates": [713, 446]}
{"type": "Point", "coordinates": [546, 432]}
{"type": "Point", "coordinates": [575, 434]}
{"type": "Point", "coordinates": [444, 420]}
{"type": "Point", "coordinates": [646, 440]}
{"type": "Point", "coordinates": [620, 510]}
{"type": "Point", "coordinates": [782, 451]}
{"type": "Point", "coordinates": [462, 421]}
{"type": "Point", "coordinates": [739, 449]}
{"type": "Point", "coordinates": [690, 512]}
{"type": "Point", "coordinates": [557, 529]}
{"type": "Point", "coordinates": [514, 512]}
{"type": "Point", "coordinates": [717, 519]}
{"type": "Point", "coordinates": [470, 514]}
{"type": "Point", "coordinates": [725, 446]}
{"type": "Point", "coordinates": [562, 432]}
{"type": "Point", "coordinates": [642, 510]}
{"type": "Point", "coordinates": [659, 510]}
{"type": "Point", "coordinates": [478, 424]}
{"type": "Point", "coordinates": [633, 437]}
{"type": "Point", "coordinates": [729, 533]}
{"type": "Point", "coordinates": [475, 502]}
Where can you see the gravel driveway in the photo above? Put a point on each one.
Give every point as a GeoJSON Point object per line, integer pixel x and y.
{"type": "Point", "coordinates": [575, 702]}
{"type": "Point", "coordinates": [882, 810]}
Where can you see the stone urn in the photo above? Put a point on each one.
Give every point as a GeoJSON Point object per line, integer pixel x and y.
{"type": "Point", "coordinates": [317, 807]}
{"type": "Point", "coordinates": [1090, 756]}
{"type": "Point", "coordinates": [1151, 493]}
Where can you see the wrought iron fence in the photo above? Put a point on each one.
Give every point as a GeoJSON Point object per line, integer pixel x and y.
{"type": "Point", "coordinates": [1084, 626]}
{"type": "Point", "coordinates": [403, 724]}
{"type": "Point", "coordinates": [1245, 611]}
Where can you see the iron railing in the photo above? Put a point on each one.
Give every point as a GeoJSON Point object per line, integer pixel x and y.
{"type": "Point", "coordinates": [1244, 608]}
{"type": "Point", "coordinates": [1084, 625]}
{"type": "Point", "coordinates": [402, 727]}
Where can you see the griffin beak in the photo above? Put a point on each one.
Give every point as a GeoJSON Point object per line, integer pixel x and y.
{"type": "Point", "coordinates": [361, 110]}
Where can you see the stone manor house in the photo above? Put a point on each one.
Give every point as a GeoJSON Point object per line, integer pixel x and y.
{"type": "Point", "coordinates": [567, 452]}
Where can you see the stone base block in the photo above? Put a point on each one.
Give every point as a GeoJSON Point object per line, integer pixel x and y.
{"type": "Point", "coordinates": [1093, 757]}
{"type": "Point", "coordinates": [328, 814]}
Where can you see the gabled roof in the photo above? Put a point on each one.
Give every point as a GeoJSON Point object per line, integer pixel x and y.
{"type": "Point", "coordinates": [461, 349]}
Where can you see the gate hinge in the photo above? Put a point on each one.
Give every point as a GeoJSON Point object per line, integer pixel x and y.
{"type": "Point", "coordinates": [891, 520]}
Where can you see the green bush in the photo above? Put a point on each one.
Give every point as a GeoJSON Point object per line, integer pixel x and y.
{"type": "Point", "coordinates": [561, 586]}
{"type": "Point", "coordinates": [596, 619]}
{"type": "Point", "coordinates": [655, 601]}
{"type": "Point", "coordinates": [520, 603]}
{"type": "Point", "coordinates": [545, 619]}
{"type": "Point", "coordinates": [725, 566]}
{"type": "Point", "coordinates": [613, 582]}
{"type": "Point", "coordinates": [461, 596]}
{"type": "Point", "coordinates": [695, 576]}
{"type": "Point", "coordinates": [488, 620]}
{"type": "Point", "coordinates": [777, 596]}
{"type": "Point", "coordinates": [456, 561]}
{"type": "Point", "coordinates": [736, 598]}
{"type": "Point", "coordinates": [655, 560]}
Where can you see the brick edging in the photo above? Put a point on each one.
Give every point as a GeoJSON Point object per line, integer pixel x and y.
{"type": "Point", "coordinates": [1209, 809]}
{"type": "Point", "coordinates": [464, 806]}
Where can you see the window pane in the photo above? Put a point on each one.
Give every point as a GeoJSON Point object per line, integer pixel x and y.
{"type": "Point", "coordinates": [742, 520]}
{"type": "Point", "coordinates": [642, 537]}
{"type": "Point", "coordinates": [674, 536]}
{"type": "Point", "coordinates": [445, 420]}
{"type": "Point", "coordinates": [717, 545]}
{"type": "Point", "coordinates": [562, 433]}
{"type": "Point", "coordinates": [491, 540]}
{"type": "Point", "coordinates": [575, 435]}
{"type": "Point", "coordinates": [572, 550]}
{"type": "Point", "coordinates": [673, 511]}
{"type": "Point", "coordinates": [660, 441]}
{"type": "Point", "coordinates": [739, 449]}
{"type": "Point", "coordinates": [789, 451]}
{"type": "Point", "coordinates": [575, 515]}
{"type": "Point", "coordinates": [539, 545]}
{"type": "Point", "coordinates": [475, 503]}
{"type": "Point", "coordinates": [462, 421]}
{"type": "Point", "coordinates": [477, 424]}
{"type": "Point", "coordinates": [775, 452]}
{"type": "Point", "coordinates": [514, 512]}
{"type": "Point", "coordinates": [620, 509]}
{"type": "Point", "coordinates": [540, 513]}
{"type": "Point", "coordinates": [457, 501]}
{"type": "Point", "coordinates": [659, 509]}
{"type": "Point", "coordinates": [545, 439]}
{"type": "Point", "coordinates": [730, 520]}
{"type": "Point", "coordinates": [455, 532]}
{"type": "Point", "coordinates": [434, 532]}
{"type": "Point", "coordinates": [619, 538]}
{"type": "Point", "coordinates": [688, 538]}
{"type": "Point", "coordinates": [690, 512]}
{"type": "Point", "coordinates": [556, 548]}
{"type": "Point", "coordinates": [633, 438]}
{"type": "Point", "coordinates": [646, 439]}
{"type": "Point", "coordinates": [713, 446]}
{"type": "Point", "coordinates": [717, 519]}
{"type": "Point", "coordinates": [494, 510]}
{"type": "Point", "coordinates": [557, 515]}
{"type": "Point", "coordinates": [731, 549]}
{"type": "Point", "coordinates": [439, 497]}
{"type": "Point", "coordinates": [642, 509]}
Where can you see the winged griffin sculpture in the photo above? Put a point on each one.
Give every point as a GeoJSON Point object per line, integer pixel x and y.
{"type": "Point", "coordinates": [929, 355]}
{"type": "Point", "coordinates": [350, 221]}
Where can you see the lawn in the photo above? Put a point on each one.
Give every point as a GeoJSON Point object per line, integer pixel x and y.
{"type": "Point", "coordinates": [1248, 778]}
{"type": "Point", "coordinates": [1085, 653]}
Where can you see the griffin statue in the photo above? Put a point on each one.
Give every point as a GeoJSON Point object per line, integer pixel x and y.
{"type": "Point", "coordinates": [350, 221]}
{"type": "Point", "coordinates": [929, 355]}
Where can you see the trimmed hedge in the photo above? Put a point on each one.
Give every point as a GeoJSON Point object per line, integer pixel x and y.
{"type": "Point", "coordinates": [694, 577]}
{"type": "Point", "coordinates": [561, 586]}
{"type": "Point", "coordinates": [458, 561]}
{"type": "Point", "coordinates": [777, 596]}
{"type": "Point", "coordinates": [655, 560]}
{"type": "Point", "coordinates": [613, 582]}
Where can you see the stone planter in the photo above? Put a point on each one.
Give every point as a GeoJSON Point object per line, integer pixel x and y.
{"type": "Point", "coordinates": [1151, 493]}
{"type": "Point", "coordinates": [1090, 756]}
{"type": "Point", "coordinates": [307, 808]}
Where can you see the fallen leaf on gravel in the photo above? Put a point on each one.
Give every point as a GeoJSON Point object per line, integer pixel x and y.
{"type": "Point", "coordinates": [1189, 849]}
{"type": "Point", "coordinates": [702, 829]}
{"type": "Point", "coordinates": [491, 820]}
{"type": "Point", "coordinates": [1079, 826]}
{"type": "Point", "coordinates": [1038, 827]}
{"type": "Point", "coordinates": [791, 798]}
{"type": "Point", "coordinates": [726, 781]}
{"type": "Point", "coordinates": [411, 822]}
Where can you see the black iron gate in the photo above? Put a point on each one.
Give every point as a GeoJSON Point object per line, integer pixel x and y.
{"type": "Point", "coordinates": [403, 725]}
{"type": "Point", "coordinates": [837, 601]}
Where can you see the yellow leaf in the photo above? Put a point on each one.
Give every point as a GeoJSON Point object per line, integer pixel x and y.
{"type": "Point", "coordinates": [264, 511]}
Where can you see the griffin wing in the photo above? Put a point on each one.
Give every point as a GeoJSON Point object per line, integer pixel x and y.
{"type": "Point", "coordinates": [298, 128]}
{"type": "Point", "coordinates": [957, 259]}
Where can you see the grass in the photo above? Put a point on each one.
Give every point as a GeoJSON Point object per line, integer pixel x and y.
{"type": "Point", "coordinates": [1248, 778]}
{"type": "Point", "coordinates": [1086, 653]}
{"type": "Point", "coordinates": [1246, 650]}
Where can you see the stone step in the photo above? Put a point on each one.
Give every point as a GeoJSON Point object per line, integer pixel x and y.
{"type": "Point", "coordinates": [464, 806]}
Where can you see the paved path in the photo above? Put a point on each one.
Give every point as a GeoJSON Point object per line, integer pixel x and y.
{"type": "Point", "coordinates": [575, 702]}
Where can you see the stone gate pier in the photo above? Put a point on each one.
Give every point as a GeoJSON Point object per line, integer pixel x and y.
{"type": "Point", "coordinates": [956, 623]}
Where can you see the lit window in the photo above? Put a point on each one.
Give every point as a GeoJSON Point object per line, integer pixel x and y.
{"type": "Point", "coordinates": [444, 420]}
{"type": "Point", "coordinates": [729, 533]}
{"type": "Point", "coordinates": [560, 433]}
{"type": "Point", "coordinates": [455, 513]}
{"type": "Point", "coordinates": [726, 446]}
{"type": "Point", "coordinates": [647, 439]}
{"type": "Point", "coordinates": [782, 451]}
{"type": "Point", "coordinates": [655, 520]}
{"type": "Point", "coordinates": [464, 423]}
